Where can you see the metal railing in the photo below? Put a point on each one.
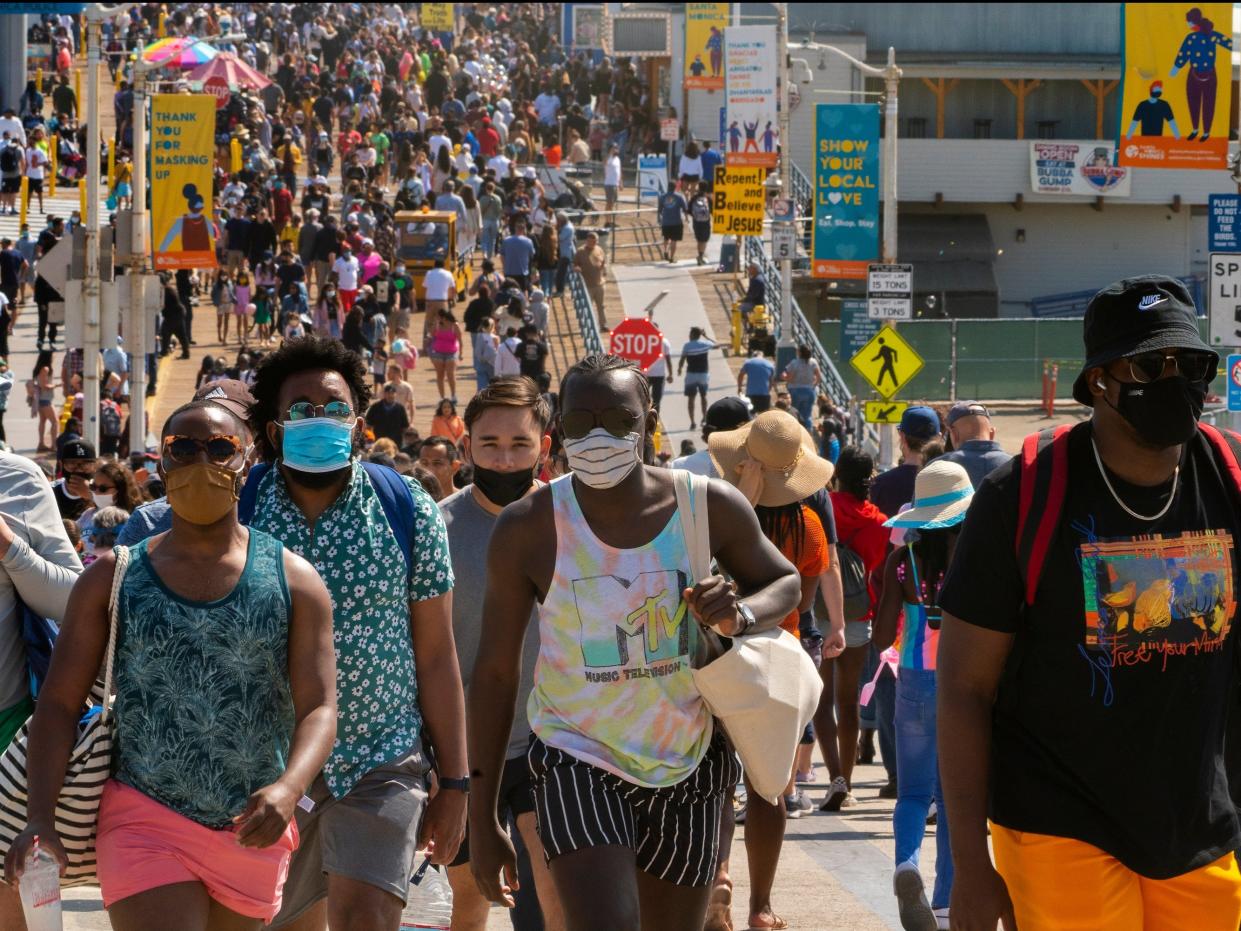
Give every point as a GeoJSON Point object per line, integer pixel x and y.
{"type": "Point", "coordinates": [804, 335]}
{"type": "Point", "coordinates": [585, 312]}
{"type": "Point", "coordinates": [803, 192]}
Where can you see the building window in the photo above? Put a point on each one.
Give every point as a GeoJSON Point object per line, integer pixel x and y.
{"type": "Point", "coordinates": [982, 129]}
{"type": "Point", "coordinates": [1047, 128]}
{"type": "Point", "coordinates": [915, 127]}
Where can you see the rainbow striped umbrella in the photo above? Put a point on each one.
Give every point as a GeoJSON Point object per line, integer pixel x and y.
{"type": "Point", "coordinates": [179, 52]}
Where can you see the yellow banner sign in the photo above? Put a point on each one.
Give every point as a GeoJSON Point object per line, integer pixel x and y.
{"type": "Point", "coordinates": [1176, 90]}
{"type": "Point", "coordinates": [438, 16]}
{"type": "Point", "coordinates": [737, 201]}
{"type": "Point", "coordinates": [885, 411]}
{"type": "Point", "coordinates": [182, 155]}
{"type": "Point", "coordinates": [704, 44]}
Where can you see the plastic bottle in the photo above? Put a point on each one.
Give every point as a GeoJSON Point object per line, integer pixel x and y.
{"type": "Point", "coordinates": [430, 899]}
{"type": "Point", "coordinates": [40, 891]}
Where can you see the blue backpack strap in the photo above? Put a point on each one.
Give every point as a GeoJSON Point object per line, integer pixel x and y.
{"type": "Point", "coordinates": [398, 505]}
{"type": "Point", "coordinates": [250, 492]}
{"type": "Point", "coordinates": [394, 495]}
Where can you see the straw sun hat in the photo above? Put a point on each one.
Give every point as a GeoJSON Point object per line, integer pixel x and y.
{"type": "Point", "coordinates": [792, 468]}
{"type": "Point", "coordinates": [942, 493]}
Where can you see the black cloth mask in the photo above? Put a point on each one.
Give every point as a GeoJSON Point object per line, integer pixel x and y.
{"type": "Point", "coordinates": [1164, 412]}
{"type": "Point", "coordinates": [503, 488]}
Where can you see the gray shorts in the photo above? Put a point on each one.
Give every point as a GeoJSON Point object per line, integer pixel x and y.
{"type": "Point", "coordinates": [370, 834]}
{"type": "Point", "coordinates": [857, 633]}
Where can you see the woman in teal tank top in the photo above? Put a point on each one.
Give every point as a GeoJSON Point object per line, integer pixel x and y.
{"type": "Point", "coordinates": [225, 706]}
{"type": "Point", "coordinates": [913, 577]}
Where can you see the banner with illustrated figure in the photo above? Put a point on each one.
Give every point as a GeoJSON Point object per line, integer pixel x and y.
{"type": "Point", "coordinates": [1176, 85]}
{"type": "Point", "coordinates": [750, 71]}
{"type": "Point", "coordinates": [182, 155]}
{"type": "Point", "coordinates": [704, 44]}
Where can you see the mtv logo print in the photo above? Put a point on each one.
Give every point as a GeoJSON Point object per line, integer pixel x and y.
{"type": "Point", "coordinates": [648, 611]}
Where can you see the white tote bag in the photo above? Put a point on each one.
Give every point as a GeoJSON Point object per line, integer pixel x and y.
{"type": "Point", "coordinates": [764, 689]}
{"type": "Point", "coordinates": [90, 762]}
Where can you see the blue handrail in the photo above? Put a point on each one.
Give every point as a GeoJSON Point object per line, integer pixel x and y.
{"type": "Point", "coordinates": [585, 312]}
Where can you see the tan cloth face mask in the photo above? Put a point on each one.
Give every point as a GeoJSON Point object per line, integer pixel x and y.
{"type": "Point", "coordinates": [202, 493]}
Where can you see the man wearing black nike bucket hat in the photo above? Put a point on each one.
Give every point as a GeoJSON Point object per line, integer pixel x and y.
{"type": "Point", "coordinates": [1085, 670]}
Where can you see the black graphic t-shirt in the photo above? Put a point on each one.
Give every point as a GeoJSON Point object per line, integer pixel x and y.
{"type": "Point", "coordinates": [1110, 716]}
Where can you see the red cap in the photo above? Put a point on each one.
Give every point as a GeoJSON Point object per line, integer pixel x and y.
{"type": "Point", "coordinates": [1157, 84]}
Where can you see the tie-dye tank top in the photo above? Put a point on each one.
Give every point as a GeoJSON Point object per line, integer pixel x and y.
{"type": "Point", "coordinates": [613, 685]}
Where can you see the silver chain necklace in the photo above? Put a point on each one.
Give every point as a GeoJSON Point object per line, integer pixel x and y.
{"type": "Point", "coordinates": [1176, 474]}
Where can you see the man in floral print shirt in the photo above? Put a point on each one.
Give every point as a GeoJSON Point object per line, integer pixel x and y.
{"type": "Point", "coordinates": [368, 819]}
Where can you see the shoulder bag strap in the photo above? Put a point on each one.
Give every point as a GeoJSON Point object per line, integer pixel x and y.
{"type": "Point", "coordinates": [687, 494]}
{"type": "Point", "coordinates": [118, 579]}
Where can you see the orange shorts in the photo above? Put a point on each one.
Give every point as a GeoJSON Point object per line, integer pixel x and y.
{"type": "Point", "coordinates": [142, 845]}
{"type": "Point", "coordinates": [1059, 884]}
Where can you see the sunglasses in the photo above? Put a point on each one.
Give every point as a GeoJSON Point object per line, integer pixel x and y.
{"type": "Point", "coordinates": [102, 489]}
{"type": "Point", "coordinates": [220, 448]}
{"type": "Point", "coordinates": [304, 410]}
{"type": "Point", "coordinates": [616, 420]}
{"type": "Point", "coordinates": [1146, 367]}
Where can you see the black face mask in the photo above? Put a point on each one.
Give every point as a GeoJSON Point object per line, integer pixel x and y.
{"type": "Point", "coordinates": [503, 488]}
{"type": "Point", "coordinates": [1165, 412]}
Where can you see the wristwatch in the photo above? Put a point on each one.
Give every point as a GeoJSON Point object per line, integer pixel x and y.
{"type": "Point", "coordinates": [460, 785]}
{"type": "Point", "coordinates": [748, 620]}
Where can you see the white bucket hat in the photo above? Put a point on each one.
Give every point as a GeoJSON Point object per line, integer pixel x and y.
{"type": "Point", "coordinates": [942, 493]}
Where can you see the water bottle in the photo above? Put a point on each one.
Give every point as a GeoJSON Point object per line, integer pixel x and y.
{"type": "Point", "coordinates": [430, 900]}
{"type": "Point", "coordinates": [40, 891]}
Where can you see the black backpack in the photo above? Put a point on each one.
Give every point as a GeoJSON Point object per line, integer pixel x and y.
{"type": "Point", "coordinates": [853, 581]}
{"type": "Point", "coordinates": [9, 161]}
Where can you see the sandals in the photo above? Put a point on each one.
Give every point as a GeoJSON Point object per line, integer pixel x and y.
{"type": "Point", "coordinates": [778, 924]}
{"type": "Point", "coordinates": [719, 910]}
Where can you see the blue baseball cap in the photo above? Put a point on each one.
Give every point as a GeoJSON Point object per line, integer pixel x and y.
{"type": "Point", "coordinates": [921, 423]}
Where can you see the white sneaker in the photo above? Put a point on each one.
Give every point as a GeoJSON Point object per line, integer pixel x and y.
{"type": "Point", "coordinates": [915, 910]}
{"type": "Point", "coordinates": [848, 801]}
{"type": "Point", "coordinates": [837, 792]}
{"type": "Point", "coordinates": [941, 919]}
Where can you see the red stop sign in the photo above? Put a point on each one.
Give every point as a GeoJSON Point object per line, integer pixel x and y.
{"type": "Point", "coordinates": [217, 87]}
{"type": "Point", "coordinates": [638, 339]}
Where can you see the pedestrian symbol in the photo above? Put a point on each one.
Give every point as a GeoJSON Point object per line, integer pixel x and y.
{"type": "Point", "coordinates": [885, 411]}
{"type": "Point", "coordinates": [887, 362]}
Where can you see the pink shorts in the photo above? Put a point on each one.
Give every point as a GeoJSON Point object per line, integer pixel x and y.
{"type": "Point", "coordinates": [142, 845]}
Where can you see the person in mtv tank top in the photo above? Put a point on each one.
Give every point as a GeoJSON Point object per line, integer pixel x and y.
{"type": "Point", "coordinates": [619, 729]}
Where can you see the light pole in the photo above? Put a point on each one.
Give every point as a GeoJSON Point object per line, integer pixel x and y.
{"type": "Point", "coordinates": [891, 75]}
{"type": "Point", "coordinates": [92, 285]}
{"type": "Point", "coordinates": [137, 335]}
{"type": "Point", "coordinates": [784, 352]}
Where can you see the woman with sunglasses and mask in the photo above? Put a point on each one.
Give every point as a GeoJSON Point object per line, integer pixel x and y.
{"type": "Point", "coordinates": [618, 725]}
{"type": "Point", "coordinates": [225, 700]}
{"type": "Point", "coordinates": [113, 484]}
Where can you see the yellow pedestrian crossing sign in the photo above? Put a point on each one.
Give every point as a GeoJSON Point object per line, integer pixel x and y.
{"type": "Point", "coordinates": [887, 362]}
{"type": "Point", "coordinates": [885, 411]}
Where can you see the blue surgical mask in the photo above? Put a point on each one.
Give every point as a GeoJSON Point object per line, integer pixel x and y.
{"type": "Point", "coordinates": [317, 444]}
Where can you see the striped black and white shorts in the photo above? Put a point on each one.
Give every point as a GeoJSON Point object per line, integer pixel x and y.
{"type": "Point", "coordinates": [673, 831]}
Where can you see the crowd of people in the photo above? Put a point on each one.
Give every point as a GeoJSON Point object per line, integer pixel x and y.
{"type": "Point", "coordinates": [341, 648]}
